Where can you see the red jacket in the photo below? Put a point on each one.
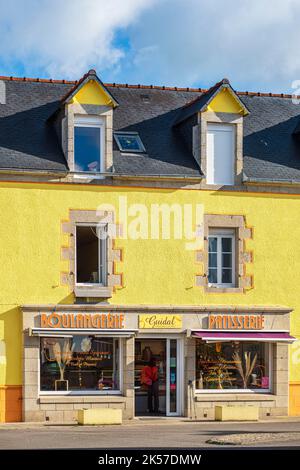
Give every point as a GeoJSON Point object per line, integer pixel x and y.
{"type": "Point", "coordinates": [149, 375]}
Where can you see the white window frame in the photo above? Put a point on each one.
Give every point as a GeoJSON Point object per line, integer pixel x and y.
{"type": "Point", "coordinates": [219, 234]}
{"type": "Point", "coordinates": [85, 392]}
{"type": "Point", "coordinates": [210, 162]}
{"type": "Point", "coordinates": [141, 149]}
{"type": "Point", "coordinates": [102, 255]}
{"type": "Point", "coordinates": [97, 122]}
{"type": "Point", "coordinates": [246, 390]}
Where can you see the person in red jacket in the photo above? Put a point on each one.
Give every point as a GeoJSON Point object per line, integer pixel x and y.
{"type": "Point", "coordinates": [149, 377]}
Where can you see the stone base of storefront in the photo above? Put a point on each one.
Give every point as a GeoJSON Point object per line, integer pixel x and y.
{"type": "Point", "coordinates": [204, 406]}
{"type": "Point", "coordinates": [65, 408]}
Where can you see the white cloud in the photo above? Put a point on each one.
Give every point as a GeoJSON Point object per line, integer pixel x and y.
{"type": "Point", "coordinates": [253, 42]}
{"type": "Point", "coordinates": [64, 37]}
{"type": "Point", "coordinates": [177, 42]}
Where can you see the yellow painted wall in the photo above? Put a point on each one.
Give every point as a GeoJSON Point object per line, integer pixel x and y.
{"type": "Point", "coordinates": [224, 102]}
{"type": "Point", "coordinates": [31, 240]}
{"type": "Point", "coordinates": [92, 93]}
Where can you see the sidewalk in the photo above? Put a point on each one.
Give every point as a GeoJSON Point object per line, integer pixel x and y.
{"type": "Point", "coordinates": [150, 421]}
{"type": "Point", "coordinates": [151, 433]}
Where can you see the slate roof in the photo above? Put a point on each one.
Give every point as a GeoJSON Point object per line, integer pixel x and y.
{"type": "Point", "coordinates": [29, 141]}
{"type": "Point", "coordinates": [201, 102]}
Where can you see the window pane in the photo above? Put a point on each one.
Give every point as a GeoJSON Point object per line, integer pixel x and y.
{"type": "Point", "coordinates": [79, 363]}
{"type": "Point", "coordinates": [212, 244]}
{"type": "Point", "coordinates": [173, 379]}
{"type": "Point", "coordinates": [227, 260]}
{"type": "Point", "coordinates": [226, 245]}
{"type": "Point", "coordinates": [87, 148]}
{"type": "Point", "coordinates": [223, 365]}
{"type": "Point", "coordinates": [212, 260]}
{"type": "Point", "coordinates": [212, 276]}
{"type": "Point", "coordinates": [87, 255]}
{"type": "Point", "coordinates": [129, 142]}
{"type": "Point", "coordinates": [102, 232]}
{"type": "Point", "coordinates": [220, 154]}
{"type": "Point", "coordinates": [226, 276]}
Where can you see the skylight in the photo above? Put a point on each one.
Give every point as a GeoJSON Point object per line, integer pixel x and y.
{"type": "Point", "coordinates": [129, 142]}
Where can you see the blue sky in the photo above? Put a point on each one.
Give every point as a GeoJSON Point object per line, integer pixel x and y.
{"type": "Point", "coordinates": [255, 43]}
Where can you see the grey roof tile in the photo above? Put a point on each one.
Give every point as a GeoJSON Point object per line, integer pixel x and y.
{"type": "Point", "coordinates": [271, 149]}
{"type": "Point", "coordinates": [28, 139]}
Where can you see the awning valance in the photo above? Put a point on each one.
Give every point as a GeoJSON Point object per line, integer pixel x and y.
{"type": "Point", "coordinates": [267, 336]}
{"type": "Point", "coordinates": [67, 332]}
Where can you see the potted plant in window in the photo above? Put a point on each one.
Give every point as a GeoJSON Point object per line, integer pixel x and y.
{"type": "Point", "coordinates": [63, 356]}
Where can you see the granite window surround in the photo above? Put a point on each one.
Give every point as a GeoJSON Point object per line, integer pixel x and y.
{"type": "Point", "coordinates": [73, 113]}
{"type": "Point", "coordinates": [114, 279]}
{"type": "Point", "coordinates": [243, 256]}
{"type": "Point", "coordinates": [200, 142]}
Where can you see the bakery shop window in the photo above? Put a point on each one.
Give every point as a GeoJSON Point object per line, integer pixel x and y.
{"type": "Point", "coordinates": [232, 366]}
{"type": "Point", "coordinates": [80, 364]}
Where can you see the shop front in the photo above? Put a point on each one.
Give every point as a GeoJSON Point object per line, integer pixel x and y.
{"type": "Point", "coordinates": [167, 361]}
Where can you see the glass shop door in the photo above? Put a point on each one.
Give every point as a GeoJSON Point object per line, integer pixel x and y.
{"type": "Point", "coordinates": [174, 378]}
{"type": "Point", "coordinates": [168, 355]}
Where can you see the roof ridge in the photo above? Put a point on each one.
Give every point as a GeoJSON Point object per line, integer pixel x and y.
{"type": "Point", "coordinates": [147, 87]}
{"type": "Point", "coordinates": [41, 80]}
{"type": "Point", "coordinates": [76, 84]}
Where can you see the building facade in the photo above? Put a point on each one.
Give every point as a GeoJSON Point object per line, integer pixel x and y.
{"type": "Point", "coordinates": [142, 223]}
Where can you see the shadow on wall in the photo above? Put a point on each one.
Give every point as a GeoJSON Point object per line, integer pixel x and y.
{"type": "Point", "coordinates": [69, 300]}
{"type": "Point", "coordinates": [11, 365]}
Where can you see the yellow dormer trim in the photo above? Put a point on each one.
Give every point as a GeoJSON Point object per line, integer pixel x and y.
{"type": "Point", "coordinates": [92, 93]}
{"type": "Point", "coordinates": [225, 102]}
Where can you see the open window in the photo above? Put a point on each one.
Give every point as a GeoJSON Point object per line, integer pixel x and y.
{"type": "Point", "coordinates": [89, 144]}
{"type": "Point", "coordinates": [91, 255]}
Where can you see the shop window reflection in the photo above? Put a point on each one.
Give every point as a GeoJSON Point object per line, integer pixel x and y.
{"type": "Point", "coordinates": [80, 363]}
{"type": "Point", "coordinates": [232, 365]}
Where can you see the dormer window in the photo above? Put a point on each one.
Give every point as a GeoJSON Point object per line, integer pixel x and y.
{"type": "Point", "coordinates": [217, 118]}
{"type": "Point", "coordinates": [129, 142]}
{"type": "Point", "coordinates": [89, 144]}
{"type": "Point", "coordinates": [220, 154]}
